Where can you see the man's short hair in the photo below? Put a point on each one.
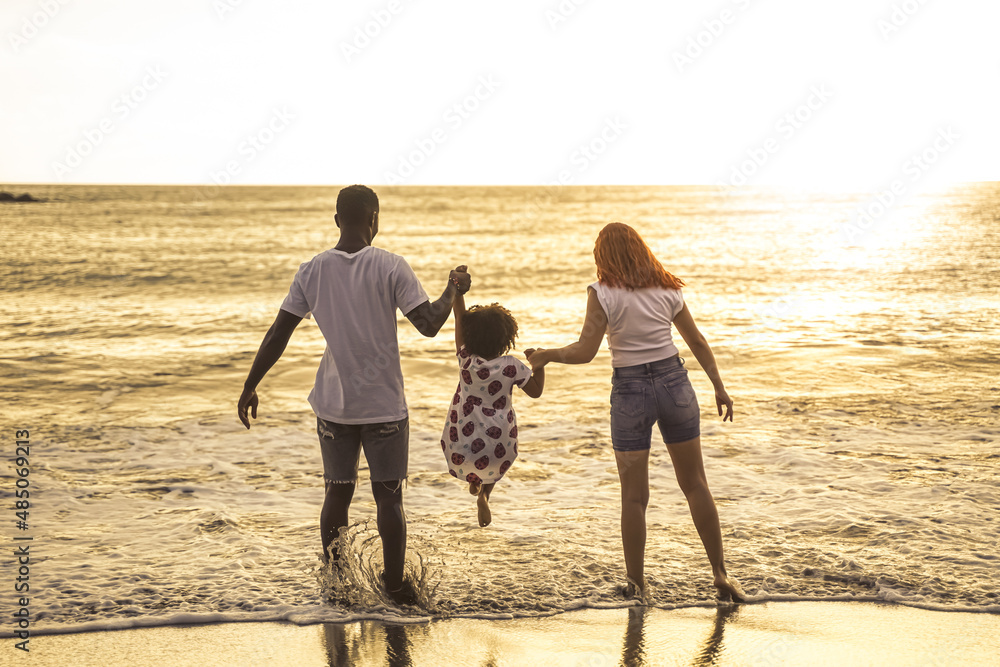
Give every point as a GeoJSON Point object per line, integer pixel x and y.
{"type": "Point", "coordinates": [355, 204]}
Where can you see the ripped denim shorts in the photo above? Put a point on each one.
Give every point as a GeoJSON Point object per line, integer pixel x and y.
{"type": "Point", "coordinates": [386, 445]}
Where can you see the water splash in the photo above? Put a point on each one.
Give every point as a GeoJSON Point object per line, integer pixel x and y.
{"type": "Point", "coordinates": [355, 582]}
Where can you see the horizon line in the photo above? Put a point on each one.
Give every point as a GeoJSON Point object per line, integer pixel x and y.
{"type": "Point", "coordinates": [790, 186]}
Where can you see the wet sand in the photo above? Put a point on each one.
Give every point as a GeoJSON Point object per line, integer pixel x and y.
{"type": "Point", "coordinates": [830, 633]}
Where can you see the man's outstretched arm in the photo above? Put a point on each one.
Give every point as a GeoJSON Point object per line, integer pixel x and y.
{"type": "Point", "coordinates": [428, 318]}
{"type": "Point", "coordinates": [269, 352]}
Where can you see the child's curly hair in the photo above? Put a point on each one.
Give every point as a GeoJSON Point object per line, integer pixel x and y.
{"type": "Point", "coordinates": [488, 331]}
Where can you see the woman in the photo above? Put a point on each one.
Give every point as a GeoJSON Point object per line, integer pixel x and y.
{"type": "Point", "coordinates": [635, 300]}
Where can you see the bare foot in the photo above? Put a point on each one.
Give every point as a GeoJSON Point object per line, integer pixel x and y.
{"type": "Point", "coordinates": [729, 588]}
{"type": "Point", "coordinates": [405, 594]}
{"type": "Point", "coordinates": [475, 488]}
{"type": "Point", "coordinates": [485, 516]}
{"type": "Point", "coordinates": [632, 590]}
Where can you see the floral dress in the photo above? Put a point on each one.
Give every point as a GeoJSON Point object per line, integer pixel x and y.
{"type": "Point", "coordinates": [480, 433]}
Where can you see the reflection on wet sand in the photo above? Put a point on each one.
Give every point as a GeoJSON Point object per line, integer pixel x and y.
{"type": "Point", "coordinates": [355, 644]}
{"type": "Point", "coordinates": [712, 652]}
{"type": "Point", "coordinates": [350, 645]}
{"type": "Point", "coordinates": [840, 633]}
{"type": "Point", "coordinates": [397, 646]}
{"type": "Point", "coordinates": [633, 648]}
{"type": "Point", "coordinates": [339, 651]}
{"type": "Point", "coordinates": [769, 633]}
{"type": "Point", "coordinates": [362, 643]}
{"type": "Point", "coordinates": [634, 645]}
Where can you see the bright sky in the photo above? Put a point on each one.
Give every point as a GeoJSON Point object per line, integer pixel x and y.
{"type": "Point", "coordinates": [814, 94]}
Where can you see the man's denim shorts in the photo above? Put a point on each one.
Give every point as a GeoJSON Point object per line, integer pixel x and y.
{"type": "Point", "coordinates": [655, 392]}
{"type": "Point", "coordinates": [386, 445]}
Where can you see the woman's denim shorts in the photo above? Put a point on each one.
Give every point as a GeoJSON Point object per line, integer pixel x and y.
{"type": "Point", "coordinates": [655, 392]}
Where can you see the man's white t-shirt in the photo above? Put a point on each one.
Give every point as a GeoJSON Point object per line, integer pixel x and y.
{"type": "Point", "coordinates": [354, 297]}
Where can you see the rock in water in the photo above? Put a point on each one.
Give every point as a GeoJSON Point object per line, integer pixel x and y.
{"type": "Point", "coordinates": [8, 197]}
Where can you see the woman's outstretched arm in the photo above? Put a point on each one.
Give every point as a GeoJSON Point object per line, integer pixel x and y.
{"type": "Point", "coordinates": [684, 323]}
{"type": "Point", "coordinates": [583, 351]}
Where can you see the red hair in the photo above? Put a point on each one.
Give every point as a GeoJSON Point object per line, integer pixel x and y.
{"type": "Point", "coordinates": [624, 260]}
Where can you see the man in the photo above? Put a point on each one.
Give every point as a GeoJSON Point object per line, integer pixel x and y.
{"type": "Point", "coordinates": [353, 290]}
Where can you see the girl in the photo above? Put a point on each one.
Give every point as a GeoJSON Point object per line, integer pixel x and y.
{"type": "Point", "coordinates": [480, 433]}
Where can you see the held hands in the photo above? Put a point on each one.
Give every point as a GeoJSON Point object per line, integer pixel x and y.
{"type": "Point", "coordinates": [722, 398]}
{"type": "Point", "coordinates": [461, 279]}
{"type": "Point", "coordinates": [536, 358]}
{"type": "Point", "coordinates": [248, 399]}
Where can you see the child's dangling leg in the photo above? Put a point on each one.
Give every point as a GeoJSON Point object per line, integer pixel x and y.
{"type": "Point", "coordinates": [475, 488]}
{"type": "Point", "coordinates": [483, 503]}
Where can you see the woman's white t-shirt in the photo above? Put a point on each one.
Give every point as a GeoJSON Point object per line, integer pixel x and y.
{"type": "Point", "coordinates": [639, 322]}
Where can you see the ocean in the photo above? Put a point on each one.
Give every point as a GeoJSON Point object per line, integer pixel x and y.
{"type": "Point", "coordinates": [861, 352]}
